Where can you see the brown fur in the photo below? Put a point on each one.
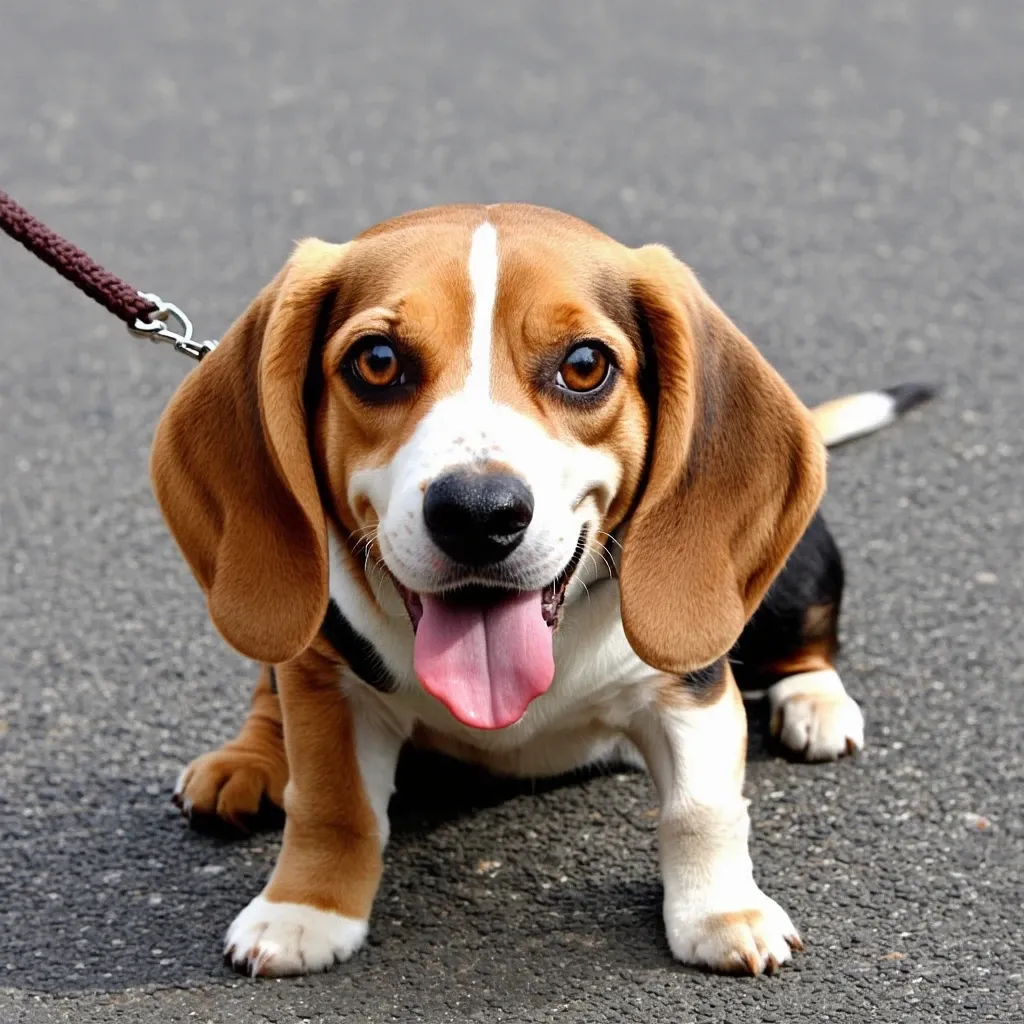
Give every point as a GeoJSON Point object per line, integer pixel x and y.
{"type": "Point", "coordinates": [331, 854]}
{"type": "Point", "coordinates": [814, 657]}
{"type": "Point", "coordinates": [232, 472]}
{"type": "Point", "coordinates": [720, 473]}
{"type": "Point", "coordinates": [233, 784]}
{"type": "Point", "coordinates": [734, 468]}
{"type": "Point", "coordinates": [736, 472]}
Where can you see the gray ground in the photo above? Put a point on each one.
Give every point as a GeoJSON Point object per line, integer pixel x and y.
{"type": "Point", "coordinates": [847, 178]}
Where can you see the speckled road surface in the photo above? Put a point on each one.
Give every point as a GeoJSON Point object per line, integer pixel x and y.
{"type": "Point", "coordinates": [847, 179]}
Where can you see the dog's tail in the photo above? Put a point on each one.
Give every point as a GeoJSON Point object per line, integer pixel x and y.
{"type": "Point", "coordinates": [843, 419]}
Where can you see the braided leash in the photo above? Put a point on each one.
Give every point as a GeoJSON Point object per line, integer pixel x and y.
{"type": "Point", "coordinates": [145, 315]}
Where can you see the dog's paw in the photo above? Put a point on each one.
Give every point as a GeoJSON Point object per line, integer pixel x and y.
{"type": "Point", "coordinates": [813, 716]}
{"type": "Point", "coordinates": [278, 939]}
{"type": "Point", "coordinates": [232, 789]}
{"type": "Point", "coordinates": [755, 938]}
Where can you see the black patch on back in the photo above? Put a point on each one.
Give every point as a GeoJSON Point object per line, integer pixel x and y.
{"type": "Point", "coordinates": [361, 655]}
{"type": "Point", "coordinates": [703, 683]}
{"type": "Point", "coordinates": [799, 613]}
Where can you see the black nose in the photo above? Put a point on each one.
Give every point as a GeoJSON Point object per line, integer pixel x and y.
{"type": "Point", "coordinates": [477, 518]}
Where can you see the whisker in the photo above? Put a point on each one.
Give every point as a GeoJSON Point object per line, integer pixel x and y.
{"type": "Point", "coordinates": [599, 553]}
{"type": "Point", "coordinates": [614, 540]}
{"type": "Point", "coordinates": [593, 562]}
{"type": "Point", "coordinates": [368, 543]}
{"type": "Point", "coordinates": [363, 537]}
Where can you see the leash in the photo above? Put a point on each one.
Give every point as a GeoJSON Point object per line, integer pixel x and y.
{"type": "Point", "coordinates": [144, 314]}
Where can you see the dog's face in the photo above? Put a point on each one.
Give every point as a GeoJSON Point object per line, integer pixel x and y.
{"type": "Point", "coordinates": [493, 387]}
{"type": "Point", "coordinates": [475, 400]}
{"type": "Point", "coordinates": [494, 394]}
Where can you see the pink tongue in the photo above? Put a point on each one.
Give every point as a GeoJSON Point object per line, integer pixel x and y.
{"type": "Point", "coordinates": [484, 664]}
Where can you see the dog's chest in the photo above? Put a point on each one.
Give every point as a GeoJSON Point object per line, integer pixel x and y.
{"type": "Point", "coordinates": [599, 685]}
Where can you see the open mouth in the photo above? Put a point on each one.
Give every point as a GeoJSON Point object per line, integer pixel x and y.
{"type": "Point", "coordinates": [486, 652]}
{"type": "Point", "coordinates": [482, 595]}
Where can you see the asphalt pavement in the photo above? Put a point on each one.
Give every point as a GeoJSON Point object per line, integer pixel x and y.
{"type": "Point", "coordinates": [846, 178]}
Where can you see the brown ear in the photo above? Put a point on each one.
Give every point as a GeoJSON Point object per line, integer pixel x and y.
{"type": "Point", "coordinates": [233, 473]}
{"type": "Point", "coordinates": [735, 472]}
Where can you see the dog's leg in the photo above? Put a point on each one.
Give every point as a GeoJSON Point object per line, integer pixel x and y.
{"type": "Point", "coordinates": [315, 909]}
{"type": "Point", "coordinates": [243, 781]}
{"type": "Point", "coordinates": [693, 737]}
{"type": "Point", "coordinates": [789, 647]}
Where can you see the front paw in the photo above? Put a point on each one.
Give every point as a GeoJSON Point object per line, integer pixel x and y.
{"type": "Point", "coordinates": [747, 937]}
{"type": "Point", "coordinates": [234, 789]}
{"type": "Point", "coordinates": [814, 717]}
{"type": "Point", "coordinates": [278, 939]}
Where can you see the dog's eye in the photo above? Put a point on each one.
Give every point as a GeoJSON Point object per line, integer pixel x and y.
{"type": "Point", "coordinates": [584, 369]}
{"type": "Point", "coordinates": [376, 363]}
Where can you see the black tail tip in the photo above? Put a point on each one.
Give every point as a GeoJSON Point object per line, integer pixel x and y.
{"type": "Point", "coordinates": [908, 396]}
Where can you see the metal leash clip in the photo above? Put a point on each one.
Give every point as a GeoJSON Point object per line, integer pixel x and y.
{"type": "Point", "coordinates": [156, 328]}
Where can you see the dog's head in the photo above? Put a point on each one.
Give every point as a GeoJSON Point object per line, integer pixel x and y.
{"type": "Point", "coordinates": [476, 401]}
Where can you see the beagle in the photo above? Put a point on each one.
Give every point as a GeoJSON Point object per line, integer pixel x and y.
{"type": "Point", "coordinates": [485, 480]}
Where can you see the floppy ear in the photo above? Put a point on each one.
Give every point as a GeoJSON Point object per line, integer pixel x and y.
{"type": "Point", "coordinates": [233, 473]}
{"type": "Point", "coordinates": [735, 472]}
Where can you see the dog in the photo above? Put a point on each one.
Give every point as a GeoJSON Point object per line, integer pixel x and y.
{"type": "Point", "coordinates": [487, 481]}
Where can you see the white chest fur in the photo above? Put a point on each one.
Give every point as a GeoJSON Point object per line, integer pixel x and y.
{"type": "Point", "coordinates": [599, 682]}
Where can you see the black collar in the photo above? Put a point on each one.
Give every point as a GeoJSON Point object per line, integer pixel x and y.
{"type": "Point", "coordinates": [361, 655]}
{"type": "Point", "coordinates": [353, 647]}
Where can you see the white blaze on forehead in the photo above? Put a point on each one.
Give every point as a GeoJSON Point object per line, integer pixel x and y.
{"type": "Point", "coordinates": [483, 279]}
